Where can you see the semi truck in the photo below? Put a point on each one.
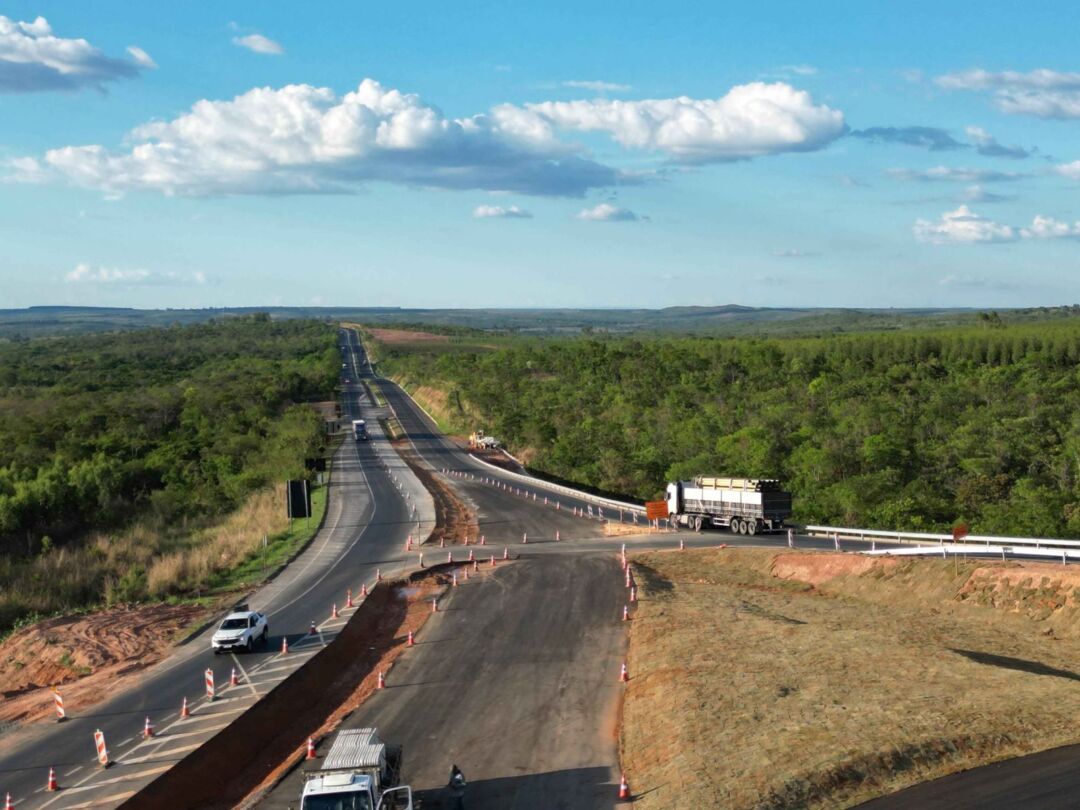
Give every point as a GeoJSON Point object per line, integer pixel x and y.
{"type": "Point", "coordinates": [742, 505]}
{"type": "Point", "coordinates": [361, 772]}
{"type": "Point", "coordinates": [359, 430]}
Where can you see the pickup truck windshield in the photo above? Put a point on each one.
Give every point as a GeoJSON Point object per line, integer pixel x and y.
{"type": "Point", "coordinates": [234, 624]}
{"type": "Point", "coordinates": [338, 801]}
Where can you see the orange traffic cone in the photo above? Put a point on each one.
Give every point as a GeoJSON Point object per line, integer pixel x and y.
{"type": "Point", "coordinates": [492, 560]}
{"type": "Point", "coordinates": [233, 679]}
{"type": "Point", "coordinates": [363, 589]}
{"type": "Point", "coordinates": [624, 787]}
{"type": "Point", "coordinates": [184, 710]}
{"type": "Point", "coordinates": [434, 605]}
{"type": "Point", "coordinates": [333, 611]}
{"type": "Point", "coordinates": [624, 673]}
{"type": "Point", "coordinates": [284, 645]}
{"type": "Point", "coordinates": [8, 803]}
{"type": "Point", "coordinates": [506, 552]}
{"type": "Point", "coordinates": [625, 613]}
{"type": "Point", "coordinates": [148, 729]}
{"type": "Point", "coordinates": [410, 642]}
{"type": "Point", "coordinates": [310, 749]}
{"type": "Point", "coordinates": [51, 785]}
{"type": "Point", "coordinates": [312, 630]}
{"type": "Point", "coordinates": [348, 598]}
{"type": "Point", "coordinates": [382, 681]}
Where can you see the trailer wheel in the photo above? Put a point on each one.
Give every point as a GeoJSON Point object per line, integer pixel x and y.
{"type": "Point", "coordinates": [752, 527]}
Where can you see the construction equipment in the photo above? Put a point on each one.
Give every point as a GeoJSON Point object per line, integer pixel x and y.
{"type": "Point", "coordinates": [479, 441]}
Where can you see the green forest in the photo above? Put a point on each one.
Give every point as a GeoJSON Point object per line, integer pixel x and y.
{"type": "Point", "coordinates": [164, 427]}
{"type": "Point", "coordinates": [909, 431]}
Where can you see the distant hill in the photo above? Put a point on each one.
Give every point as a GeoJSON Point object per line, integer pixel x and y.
{"type": "Point", "coordinates": [730, 319]}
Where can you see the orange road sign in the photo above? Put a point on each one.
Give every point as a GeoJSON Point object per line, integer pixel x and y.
{"type": "Point", "coordinates": [655, 510]}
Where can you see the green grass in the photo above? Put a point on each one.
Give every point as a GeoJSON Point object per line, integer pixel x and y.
{"type": "Point", "coordinates": [279, 548]}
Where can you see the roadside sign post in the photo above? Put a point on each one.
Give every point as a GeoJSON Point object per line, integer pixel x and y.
{"type": "Point", "coordinates": [102, 751]}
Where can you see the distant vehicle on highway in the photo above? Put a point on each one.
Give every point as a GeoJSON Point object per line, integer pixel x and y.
{"type": "Point", "coordinates": [359, 430]}
{"type": "Point", "coordinates": [240, 630]}
{"type": "Point", "coordinates": [361, 772]}
{"type": "Point", "coordinates": [743, 505]}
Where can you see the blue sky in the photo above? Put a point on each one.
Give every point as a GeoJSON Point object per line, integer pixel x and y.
{"type": "Point", "coordinates": [563, 154]}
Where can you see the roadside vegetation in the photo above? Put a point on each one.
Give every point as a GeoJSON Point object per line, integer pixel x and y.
{"type": "Point", "coordinates": [812, 680]}
{"type": "Point", "coordinates": [147, 464]}
{"type": "Point", "coordinates": [913, 430]}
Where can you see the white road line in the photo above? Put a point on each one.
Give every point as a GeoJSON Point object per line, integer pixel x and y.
{"type": "Point", "coordinates": [243, 673]}
{"type": "Point", "coordinates": [161, 752]}
{"type": "Point", "coordinates": [116, 797]}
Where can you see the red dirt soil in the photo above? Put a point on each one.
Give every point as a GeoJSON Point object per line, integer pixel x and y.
{"type": "Point", "coordinates": [396, 336]}
{"type": "Point", "coordinates": [820, 568]}
{"type": "Point", "coordinates": [89, 655]}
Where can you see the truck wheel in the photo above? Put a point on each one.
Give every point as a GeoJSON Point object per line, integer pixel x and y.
{"type": "Point", "coordinates": [740, 526]}
{"type": "Point", "coordinates": [752, 527]}
{"type": "Point", "coordinates": [697, 523]}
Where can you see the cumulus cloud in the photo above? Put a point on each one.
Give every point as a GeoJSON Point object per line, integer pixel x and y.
{"type": "Point", "coordinates": [34, 59]}
{"type": "Point", "coordinates": [953, 175]}
{"type": "Point", "coordinates": [606, 212]}
{"type": "Point", "coordinates": [978, 194]}
{"type": "Point", "coordinates": [500, 212]}
{"type": "Point", "coordinates": [88, 274]}
{"type": "Point", "coordinates": [962, 225]}
{"type": "Point", "coordinates": [749, 121]}
{"type": "Point", "coordinates": [1070, 170]}
{"type": "Point", "coordinates": [596, 87]}
{"type": "Point", "coordinates": [1042, 93]}
{"type": "Point", "coordinates": [932, 138]}
{"type": "Point", "coordinates": [1049, 228]}
{"type": "Point", "coordinates": [986, 144]}
{"type": "Point", "coordinates": [304, 139]}
{"type": "Point", "coordinates": [259, 44]}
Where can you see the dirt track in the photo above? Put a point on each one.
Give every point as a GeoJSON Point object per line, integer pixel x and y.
{"type": "Point", "coordinates": [89, 655]}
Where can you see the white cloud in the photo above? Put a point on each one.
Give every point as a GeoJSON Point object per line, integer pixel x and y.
{"type": "Point", "coordinates": [976, 282]}
{"type": "Point", "coordinates": [750, 120]}
{"type": "Point", "coordinates": [597, 87]}
{"type": "Point", "coordinates": [605, 212]}
{"type": "Point", "coordinates": [1049, 228]}
{"type": "Point", "coordinates": [794, 254]}
{"type": "Point", "coordinates": [88, 274]}
{"type": "Point", "coordinates": [989, 146]}
{"type": "Point", "coordinates": [142, 57]}
{"type": "Point", "coordinates": [259, 44]}
{"type": "Point", "coordinates": [1070, 170]}
{"type": "Point", "coordinates": [498, 211]}
{"type": "Point", "coordinates": [33, 59]}
{"type": "Point", "coordinates": [955, 175]}
{"type": "Point", "coordinates": [304, 139]}
{"type": "Point", "coordinates": [962, 225]}
{"type": "Point", "coordinates": [1042, 93]}
{"type": "Point", "coordinates": [977, 194]}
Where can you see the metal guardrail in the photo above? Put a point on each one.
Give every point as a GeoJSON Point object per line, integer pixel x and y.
{"type": "Point", "coordinates": [963, 549]}
{"type": "Point", "coordinates": [927, 538]}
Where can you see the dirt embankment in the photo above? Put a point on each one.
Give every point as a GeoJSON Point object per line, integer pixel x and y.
{"type": "Point", "coordinates": [455, 522]}
{"type": "Point", "coordinates": [791, 680]}
{"type": "Point", "coordinates": [87, 655]}
{"type": "Point", "coordinates": [397, 337]}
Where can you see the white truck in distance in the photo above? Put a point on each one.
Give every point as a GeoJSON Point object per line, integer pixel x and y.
{"type": "Point", "coordinates": [361, 772]}
{"type": "Point", "coordinates": [743, 505]}
{"type": "Point", "coordinates": [359, 430]}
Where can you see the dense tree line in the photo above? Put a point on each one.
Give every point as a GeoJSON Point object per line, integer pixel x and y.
{"type": "Point", "coordinates": [98, 430]}
{"type": "Point", "coordinates": [912, 430]}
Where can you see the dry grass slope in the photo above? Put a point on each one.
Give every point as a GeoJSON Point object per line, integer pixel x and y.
{"type": "Point", "coordinates": [766, 680]}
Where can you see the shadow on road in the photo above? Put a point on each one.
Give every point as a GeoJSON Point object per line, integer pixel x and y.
{"type": "Point", "coordinates": [1019, 664]}
{"type": "Point", "coordinates": [573, 789]}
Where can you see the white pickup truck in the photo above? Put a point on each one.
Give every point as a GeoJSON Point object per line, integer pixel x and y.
{"type": "Point", "coordinates": [240, 630]}
{"type": "Point", "coordinates": [361, 772]}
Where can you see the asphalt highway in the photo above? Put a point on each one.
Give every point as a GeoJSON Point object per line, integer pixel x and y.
{"type": "Point", "coordinates": [515, 680]}
{"type": "Point", "coordinates": [365, 529]}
